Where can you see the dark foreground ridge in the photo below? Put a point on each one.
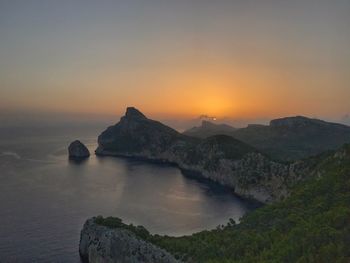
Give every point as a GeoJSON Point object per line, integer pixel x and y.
{"type": "Point", "coordinates": [311, 225]}
{"type": "Point", "coordinates": [220, 158]}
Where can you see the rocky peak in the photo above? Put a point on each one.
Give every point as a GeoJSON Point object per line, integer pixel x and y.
{"type": "Point", "coordinates": [136, 134]}
{"type": "Point", "coordinates": [133, 113]}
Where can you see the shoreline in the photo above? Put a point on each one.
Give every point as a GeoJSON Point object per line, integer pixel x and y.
{"type": "Point", "coordinates": [190, 174]}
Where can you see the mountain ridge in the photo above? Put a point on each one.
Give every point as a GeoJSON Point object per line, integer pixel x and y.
{"type": "Point", "coordinates": [289, 138]}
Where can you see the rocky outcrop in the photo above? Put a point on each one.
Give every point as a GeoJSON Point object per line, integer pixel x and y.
{"type": "Point", "coordinates": [77, 150]}
{"type": "Point", "coordinates": [220, 158]}
{"type": "Point", "coordinates": [102, 244]}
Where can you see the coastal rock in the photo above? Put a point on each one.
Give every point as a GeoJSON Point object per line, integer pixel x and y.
{"type": "Point", "coordinates": [77, 150]}
{"type": "Point", "coordinates": [102, 244]}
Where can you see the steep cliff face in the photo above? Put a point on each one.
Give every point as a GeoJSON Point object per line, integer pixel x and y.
{"type": "Point", "coordinates": [102, 244]}
{"type": "Point", "coordinates": [220, 158]}
{"type": "Point", "coordinates": [233, 163]}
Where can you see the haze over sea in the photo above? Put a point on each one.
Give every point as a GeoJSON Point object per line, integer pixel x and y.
{"type": "Point", "coordinates": [46, 198]}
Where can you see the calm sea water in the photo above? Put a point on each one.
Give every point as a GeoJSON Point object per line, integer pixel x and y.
{"type": "Point", "coordinates": [45, 199]}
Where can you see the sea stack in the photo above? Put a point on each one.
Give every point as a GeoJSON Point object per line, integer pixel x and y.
{"type": "Point", "coordinates": [77, 150]}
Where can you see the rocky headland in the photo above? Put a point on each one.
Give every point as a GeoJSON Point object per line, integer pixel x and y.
{"type": "Point", "coordinates": [220, 158]}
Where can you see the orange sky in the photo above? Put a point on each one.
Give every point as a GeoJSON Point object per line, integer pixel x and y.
{"type": "Point", "coordinates": [177, 60]}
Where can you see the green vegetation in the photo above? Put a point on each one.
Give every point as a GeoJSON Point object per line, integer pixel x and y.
{"type": "Point", "coordinates": [312, 225]}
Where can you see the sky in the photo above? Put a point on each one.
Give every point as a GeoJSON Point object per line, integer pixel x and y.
{"type": "Point", "coordinates": [232, 59]}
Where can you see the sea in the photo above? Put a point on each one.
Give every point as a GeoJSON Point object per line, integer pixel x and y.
{"type": "Point", "coordinates": [45, 198]}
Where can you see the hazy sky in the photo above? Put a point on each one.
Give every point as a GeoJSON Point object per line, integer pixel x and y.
{"type": "Point", "coordinates": [176, 59]}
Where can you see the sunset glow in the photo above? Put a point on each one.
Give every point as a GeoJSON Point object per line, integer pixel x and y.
{"type": "Point", "coordinates": [231, 60]}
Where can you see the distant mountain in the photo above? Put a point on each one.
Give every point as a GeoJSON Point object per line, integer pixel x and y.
{"type": "Point", "coordinates": [220, 158]}
{"type": "Point", "coordinates": [297, 137]}
{"type": "Point", "coordinates": [292, 138]}
{"type": "Point", "coordinates": [208, 129]}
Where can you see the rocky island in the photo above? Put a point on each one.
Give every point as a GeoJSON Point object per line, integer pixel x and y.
{"type": "Point", "coordinates": [78, 151]}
